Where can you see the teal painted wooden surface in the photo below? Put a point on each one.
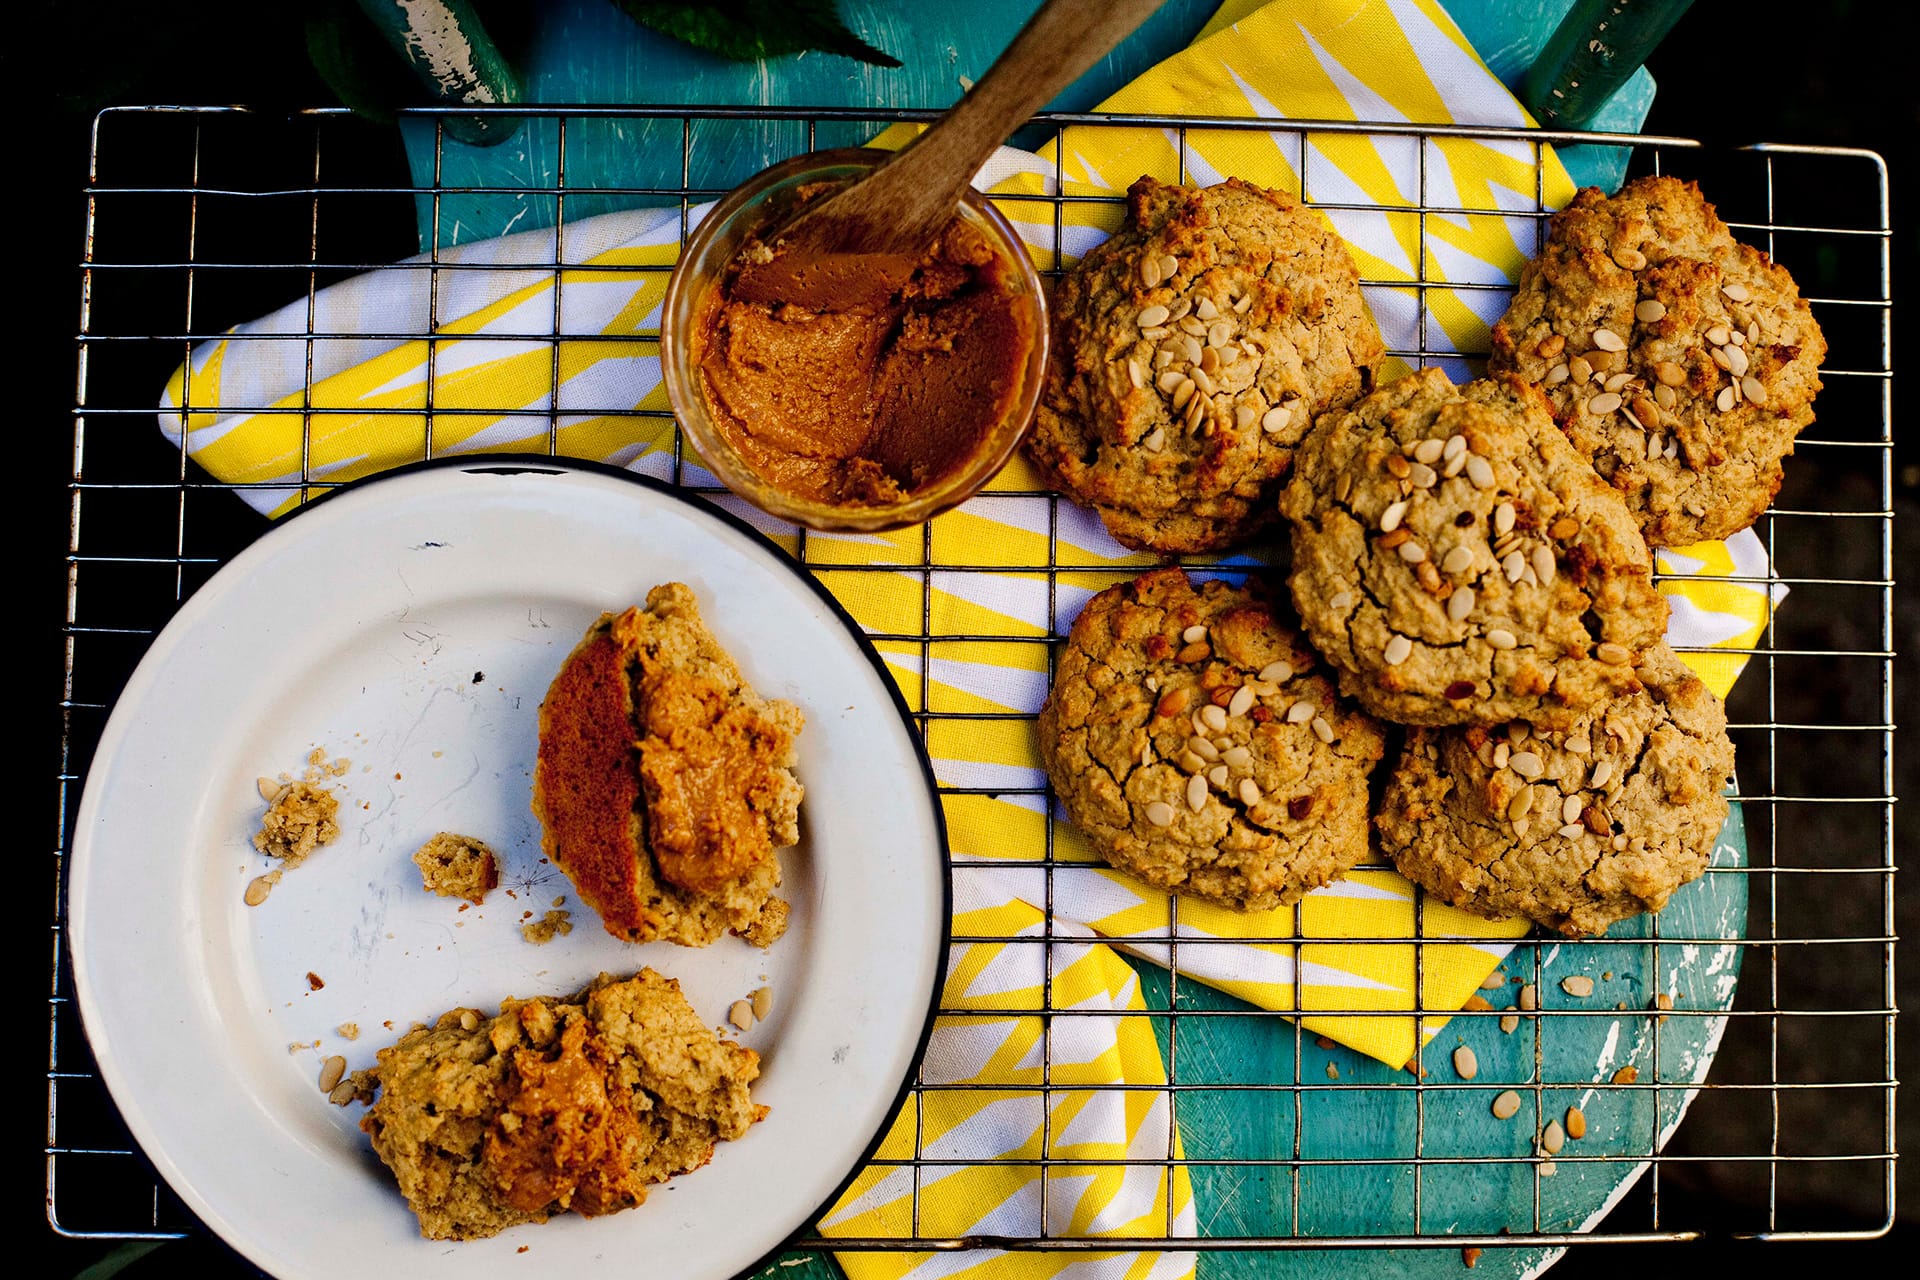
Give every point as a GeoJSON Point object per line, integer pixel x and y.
{"type": "Point", "coordinates": [587, 51]}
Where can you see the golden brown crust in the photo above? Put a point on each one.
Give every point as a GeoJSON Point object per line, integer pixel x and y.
{"type": "Point", "coordinates": [1178, 428]}
{"type": "Point", "coordinates": [553, 1105]}
{"type": "Point", "coordinates": [1572, 829]}
{"type": "Point", "coordinates": [663, 783]}
{"type": "Point", "coordinates": [1459, 563]}
{"type": "Point", "coordinates": [1714, 372]}
{"type": "Point", "coordinates": [1142, 722]}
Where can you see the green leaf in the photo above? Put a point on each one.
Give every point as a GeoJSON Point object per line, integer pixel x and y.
{"type": "Point", "coordinates": [749, 30]}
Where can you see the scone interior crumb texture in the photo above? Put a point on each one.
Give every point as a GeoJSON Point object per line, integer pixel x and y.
{"type": "Point", "coordinates": [1191, 735]}
{"type": "Point", "coordinates": [1681, 361]}
{"type": "Point", "coordinates": [1190, 352]}
{"type": "Point", "coordinates": [554, 1105]}
{"type": "Point", "coordinates": [664, 783]}
{"type": "Point", "coordinates": [1459, 562]}
{"type": "Point", "coordinates": [457, 866]}
{"type": "Point", "coordinates": [300, 818]}
{"type": "Point", "coordinates": [1574, 828]}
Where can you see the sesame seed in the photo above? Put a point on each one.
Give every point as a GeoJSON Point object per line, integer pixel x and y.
{"type": "Point", "coordinates": [1581, 368]}
{"type": "Point", "coordinates": [1465, 1063]}
{"type": "Point", "coordinates": [1653, 444]}
{"type": "Point", "coordinates": [1579, 746]}
{"type": "Point", "coordinates": [1619, 842]}
{"type": "Point", "coordinates": [1390, 518]}
{"type": "Point", "coordinates": [1423, 476]}
{"type": "Point", "coordinates": [1480, 471]}
{"type": "Point", "coordinates": [1735, 291]}
{"type": "Point", "coordinates": [1576, 1123]}
{"type": "Point", "coordinates": [1630, 258]}
{"type": "Point", "coordinates": [1718, 335]}
{"type": "Point", "coordinates": [1573, 831]}
{"type": "Point", "coordinates": [1190, 762]}
{"type": "Point", "coordinates": [1457, 560]}
{"type": "Point", "coordinates": [1617, 655]}
{"type": "Point", "coordinates": [1321, 729]}
{"type": "Point", "coordinates": [1552, 1138]}
{"type": "Point", "coordinates": [1664, 396]}
{"type": "Point", "coordinates": [1277, 672]}
{"type": "Point", "coordinates": [1429, 451]}
{"type": "Point", "coordinates": [1196, 793]}
{"type": "Point", "coordinates": [1244, 416]}
{"type": "Point", "coordinates": [1249, 792]}
{"type": "Point", "coordinates": [1194, 634]}
{"type": "Point", "coordinates": [1617, 381]}
{"type": "Point", "coordinates": [1205, 309]}
{"type": "Point", "coordinates": [1170, 380]}
{"type": "Point", "coordinates": [1169, 266]}
{"type": "Point", "coordinates": [1218, 775]}
{"type": "Point", "coordinates": [1669, 374]}
{"type": "Point", "coordinates": [1216, 717]}
{"type": "Point", "coordinates": [1644, 411]}
{"type": "Point", "coordinates": [1150, 274]}
{"type": "Point", "coordinates": [1500, 639]}
{"type": "Point", "coordinates": [1737, 362]}
{"type": "Point", "coordinates": [1522, 803]}
{"type": "Point", "coordinates": [1160, 813]}
{"type": "Point", "coordinates": [1300, 713]}
{"type": "Point", "coordinates": [1236, 757]}
{"type": "Point", "coordinates": [1398, 650]}
{"type": "Point", "coordinates": [1202, 748]}
{"type": "Point", "coordinates": [1150, 317]}
{"type": "Point", "coordinates": [1608, 340]}
{"type": "Point", "coordinates": [1412, 552]}
{"type": "Point", "coordinates": [1579, 986]}
{"type": "Point", "coordinates": [1604, 404]}
{"type": "Point", "coordinates": [1156, 440]}
{"type": "Point", "coordinates": [1602, 774]}
{"type": "Point", "coordinates": [1503, 517]}
{"type": "Point", "coordinates": [1518, 732]}
{"type": "Point", "coordinates": [1242, 701]}
{"type": "Point", "coordinates": [1753, 389]}
{"type": "Point", "coordinates": [1570, 809]}
{"type": "Point", "coordinates": [1276, 419]}
{"type": "Point", "coordinates": [1460, 604]}
{"type": "Point", "coordinates": [1502, 752]}
{"type": "Point", "coordinates": [1340, 601]}
{"type": "Point", "coordinates": [1514, 565]}
{"type": "Point", "coordinates": [1506, 1105]}
{"type": "Point", "coordinates": [1650, 310]}
{"type": "Point", "coordinates": [1526, 764]}
{"type": "Point", "coordinates": [1509, 1023]}
{"type": "Point", "coordinates": [1456, 446]}
{"type": "Point", "coordinates": [1556, 375]}
{"type": "Point", "coordinates": [1529, 998]}
{"type": "Point", "coordinates": [1398, 467]}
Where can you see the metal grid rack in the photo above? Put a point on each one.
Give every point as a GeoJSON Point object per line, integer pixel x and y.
{"type": "Point", "coordinates": [203, 217]}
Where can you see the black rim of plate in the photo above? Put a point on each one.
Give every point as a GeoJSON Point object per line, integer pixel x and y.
{"type": "Point", "coordinates": [508, 464]}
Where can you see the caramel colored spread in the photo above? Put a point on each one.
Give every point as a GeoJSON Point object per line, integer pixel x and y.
{"type": "Point", "coordinates": [568, 1134]}
{"type": "Point", "coordinates": [862, 395]}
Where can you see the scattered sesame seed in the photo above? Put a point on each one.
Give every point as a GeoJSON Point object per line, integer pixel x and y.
{"type": "Point", "coordinates": [1398, 650]}
{"type": "Point", "coordinates": [1502, 639]}
{"type": "Point", "coordinates": [1160, 813]}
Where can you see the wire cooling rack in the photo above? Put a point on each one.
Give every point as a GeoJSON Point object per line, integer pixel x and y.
{"type": "Point", "coordinates": [199, 218]}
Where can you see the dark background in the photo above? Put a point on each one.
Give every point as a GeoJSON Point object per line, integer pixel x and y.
{"type": "Point", "coordinates": [1838, 74]}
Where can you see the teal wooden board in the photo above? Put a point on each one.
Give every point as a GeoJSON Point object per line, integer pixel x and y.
{"type": "Point", "coordinates": [587, 51]}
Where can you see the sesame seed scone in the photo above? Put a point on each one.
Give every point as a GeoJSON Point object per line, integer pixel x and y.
{"type": "Point", "coordinates": [1682, 362]}
{"type": "Point", "coordinates": [1460, 563]}
{"type": "Point", "coordinates": [1190, 353]}
{"type": "Point", "coordinates": [1189, 736]}
{"type": "Point", "coordinates": [1572, 829]}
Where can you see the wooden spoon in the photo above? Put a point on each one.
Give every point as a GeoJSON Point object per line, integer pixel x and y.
{"type": "Point", "coordinates": [857, 246]}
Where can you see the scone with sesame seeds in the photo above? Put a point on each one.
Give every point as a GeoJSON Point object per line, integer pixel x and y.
{"type": "Point", "coordinates": [1682, 362]}
{"type": "Point", "coordinates": [1573, 829]}
{"type": "Point", "coordinates": [1190, 735]}
{"type": "Point", "coordinates": [1190, 353]}
{"type": "Point", "coordinates": [1460, 563]}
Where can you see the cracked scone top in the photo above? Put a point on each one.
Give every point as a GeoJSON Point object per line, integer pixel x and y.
{"type": "Point", "coordinates": [1572, 829]}
{"type": "Point", "coordinates": [574, 1104]}
{"type": "Point", "coordinates": [1189, 736]}
{"type": "Point", "coordinates": [664, 783]}
{"type": "Point", "coordinates": [1460, 563]}
{"type": "Point", "coordinates": [1682, 362]}
{"type": "Point", "coordinates": [1190, 354]}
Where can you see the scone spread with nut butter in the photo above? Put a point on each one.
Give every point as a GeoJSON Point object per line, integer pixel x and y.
{"type": "Point", "coordinates": [554, 1105]}
{"type": "Point", "coordinates": [1190, 353]}
{"type": "Point", "coordinates": [1682, 362]}
{"type": "Point", "coordinates": [664, 783]}
{"type": "Point", "coordinates": [1573, 829]}
{"type": "Point", "coordinates": [1189, 736]}
{"type": "Point", "coordinates": [1459, 562]}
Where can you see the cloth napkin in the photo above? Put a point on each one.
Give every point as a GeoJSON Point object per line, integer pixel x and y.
{"type": "Point", "coordinates": [322, 393]}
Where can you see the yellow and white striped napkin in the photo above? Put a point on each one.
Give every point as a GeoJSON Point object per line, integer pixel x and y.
{"type": "Point", "coordinates": [252, 416]}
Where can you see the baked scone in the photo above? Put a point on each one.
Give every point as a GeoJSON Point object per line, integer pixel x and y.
{"type": "Point", "coordinates": [554, 1105]}
{"type": "Point", "coordinates": [664, 783]}
{"type": "Point", "coordinates": [1459, 562]}
{"type": "Point", "coordinates": [1682, 362]}
{"type": "Point", "coordinates": [1190, 736]}
{"type": "Point", "coordinates": [1190, 353]}
{"type": "Point", "coordinates": [1572, 829]}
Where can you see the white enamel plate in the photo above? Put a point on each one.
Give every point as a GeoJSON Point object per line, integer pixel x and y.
{"type": "Point", "coordinates": [410, 625]}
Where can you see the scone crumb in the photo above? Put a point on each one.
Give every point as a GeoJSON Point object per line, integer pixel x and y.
{"type": "Point", "coordinates": [457, 866]}
{"type": "Point", "coordinates": [555, 924]}
{"type": "Point", "coordinates": [348, 1031]}
{"type": "Point", "coordinates": [298, 820]}
{"type": "Point", "coordinates": [765, 929]}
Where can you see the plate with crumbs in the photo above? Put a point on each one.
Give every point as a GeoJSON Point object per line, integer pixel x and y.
{"type": "Point", "coordinates": [392, 642]}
